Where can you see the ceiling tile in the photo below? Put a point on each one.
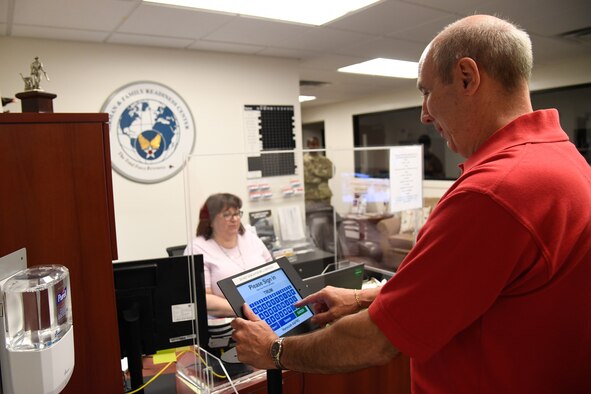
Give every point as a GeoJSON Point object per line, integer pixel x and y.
{"type": "Point", "coordinates": [390, 28]}
{"type": "Point", "coordinates": [325, 39]}
{"type": "Point", "coordinates": [329, 62]}
{"type": "Point", "coordinates": [460, 7]}
{"type": "Point", "coordinates": [386, 47]}
{"type": "Point", "coordinates": [172, 22]}
{"type": "Point", "coordinates": [225, 47]}
{"type": "Point", "coordinates": [520, 12]}
{"type": "Point", "coordinates": [549, 49]}
{"type": "Point", "coordinates": [53, 33]}
{"type": "Point", "coordinates": [424, 32]}
{"type": "Point", "coordinates": [291, 53]}
{"type": "Point", "coordinates": [4, 11]}
{"type": "Point", "coordinates": [561, 20]}
{"type": "Point", "coordinates": [387, 18]}
{"type": "Point", "coordinates": [77, 14]}
{"type": "Point", "coordinates": [146, 40]}
{"type": "Point", "coordinates": [252, 31]}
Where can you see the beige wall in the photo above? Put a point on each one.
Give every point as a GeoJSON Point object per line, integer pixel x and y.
{"type": "Point", "coordinates": [215, 86]}
{"type": "Point", "coordinates": [150, 217]}
{"type": "Point", "coordinates": [338, 118]}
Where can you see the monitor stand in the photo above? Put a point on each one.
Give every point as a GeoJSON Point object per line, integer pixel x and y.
{"type": "Point", "coordinates": [274, 381]}
{"type": "Point", "coordinates": [131, 316]}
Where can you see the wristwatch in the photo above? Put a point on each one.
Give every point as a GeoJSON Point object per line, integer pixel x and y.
{"type": "Point", "coordinates": [276, 350]}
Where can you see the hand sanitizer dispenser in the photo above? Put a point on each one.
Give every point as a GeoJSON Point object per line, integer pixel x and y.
{"type": "Point", "coordinates": [37, 335]}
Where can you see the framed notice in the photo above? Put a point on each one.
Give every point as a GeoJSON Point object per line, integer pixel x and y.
{"type": "Point", "coordinates": [406, 177]}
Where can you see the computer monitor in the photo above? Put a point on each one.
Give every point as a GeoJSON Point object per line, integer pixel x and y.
{"type": "Point", "coordinates": [160, 305]}
{"type": "Point", "coordinates": [312, 263]}
{"type": "Point", "coordinates": [344, 274]}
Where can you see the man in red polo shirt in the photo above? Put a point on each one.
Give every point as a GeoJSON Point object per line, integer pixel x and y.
{"type": "Point", "coordinates": [495, 295]}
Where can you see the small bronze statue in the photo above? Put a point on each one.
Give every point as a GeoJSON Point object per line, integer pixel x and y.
{"type": "Point", "coordinates": [33, 82]}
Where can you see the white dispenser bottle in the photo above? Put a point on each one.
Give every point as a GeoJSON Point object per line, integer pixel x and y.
{"type": "Point", "coordinates": [38, 335]}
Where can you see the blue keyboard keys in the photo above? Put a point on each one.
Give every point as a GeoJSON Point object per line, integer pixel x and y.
{"type": "Point", "coordinates": [276, 309]}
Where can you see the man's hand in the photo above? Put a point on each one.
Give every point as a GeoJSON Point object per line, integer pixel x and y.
{"type": "Point", "coordinates": [330, 304]}
{"type": "Point", "coordinates": [253, 339]}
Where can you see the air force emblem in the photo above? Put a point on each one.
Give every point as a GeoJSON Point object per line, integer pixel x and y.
{"type": "Point", "coordinates": [152, 131]}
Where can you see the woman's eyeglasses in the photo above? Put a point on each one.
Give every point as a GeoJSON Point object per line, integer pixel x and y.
{"type": "Point", "coordinates": [230, 215]}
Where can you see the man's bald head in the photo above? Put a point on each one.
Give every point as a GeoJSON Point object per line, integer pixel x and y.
{"type": "Point", "coordinates": [500, 49]}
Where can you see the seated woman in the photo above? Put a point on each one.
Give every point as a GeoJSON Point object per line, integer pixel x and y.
{"type": "Point", "coordinates": [227, 247]}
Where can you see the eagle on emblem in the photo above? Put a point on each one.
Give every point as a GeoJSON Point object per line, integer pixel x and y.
{"type": "Point", "coordinates": [150, 147]}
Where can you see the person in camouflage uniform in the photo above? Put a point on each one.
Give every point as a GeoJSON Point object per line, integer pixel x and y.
{"type": "Point", "coordinates": [318, 169]}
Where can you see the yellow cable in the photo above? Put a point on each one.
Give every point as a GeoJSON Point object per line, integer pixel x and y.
{"type": "Point", "coordinates": [169, 364]}
{"type": "Point", "coordinates": [208, 367]}
{"type": "Point", "coordinates": [152, 379]}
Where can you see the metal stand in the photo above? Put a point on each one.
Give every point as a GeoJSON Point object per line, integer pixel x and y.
{"type": "Point", "coordinates": [274, 381]}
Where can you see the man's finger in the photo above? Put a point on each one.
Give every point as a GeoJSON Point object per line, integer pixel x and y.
{"type": "Point", "coordinates": [311, 299]}
{"type": "Point", "coordinates": [248, 313]}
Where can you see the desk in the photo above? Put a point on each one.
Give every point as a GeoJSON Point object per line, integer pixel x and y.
{"type": "Point", "coordinates": [360, 237]}
{"type": "Point", "coordinates": [368, 224]}
{"type": "Point", "coordinates": [392, 378]}
{"type": "Point", "coordinates": [256, 382]}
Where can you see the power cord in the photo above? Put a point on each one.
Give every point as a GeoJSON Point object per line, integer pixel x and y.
{"type": "Point", "coordinates": [172, 362]}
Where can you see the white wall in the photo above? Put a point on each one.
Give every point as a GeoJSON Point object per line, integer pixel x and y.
{"type": "Point", "coordinates": [150, 217]}
{"type": "Point", "coordinates": [338, 118]}
{"type": "Point", "coordinates": [215, 86]}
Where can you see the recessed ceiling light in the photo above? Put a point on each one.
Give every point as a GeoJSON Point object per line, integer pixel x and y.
{"type": "Point", "coordinates": [385, 68]}
{"type": "Point", "coordinates": [311, 12]}
{"type": "Point", "coordinates": [307, 98]}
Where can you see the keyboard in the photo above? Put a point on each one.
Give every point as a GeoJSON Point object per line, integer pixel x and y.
{"type": "Point", "coordinates": [277, 309]}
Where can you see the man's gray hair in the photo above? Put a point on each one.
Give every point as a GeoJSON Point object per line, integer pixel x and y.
{"type": "Point", "coordinates": [500, 48]}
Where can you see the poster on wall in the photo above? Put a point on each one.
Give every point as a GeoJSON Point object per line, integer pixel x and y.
{"type": "Point", "coordinates": [151, 131]}
{"type": "Point", "coordinates": [268, 130]}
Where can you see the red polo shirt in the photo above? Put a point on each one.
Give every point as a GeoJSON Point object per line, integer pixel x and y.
{"type": "Point", "coordinates": [495, 297]}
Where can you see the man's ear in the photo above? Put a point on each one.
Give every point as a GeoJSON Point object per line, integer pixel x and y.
{"type": "Point", "coordinates": [469, 75]}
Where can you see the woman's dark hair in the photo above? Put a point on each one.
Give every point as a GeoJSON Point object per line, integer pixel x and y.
{"type": "Point", "coordinates": [215, 204]}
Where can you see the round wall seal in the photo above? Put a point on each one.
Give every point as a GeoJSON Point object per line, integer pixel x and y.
{"type": "Point", "coordinates": [151, 131]}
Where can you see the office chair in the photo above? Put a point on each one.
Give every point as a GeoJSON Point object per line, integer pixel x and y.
{"type": "Point", "coordinates": [177, 250]}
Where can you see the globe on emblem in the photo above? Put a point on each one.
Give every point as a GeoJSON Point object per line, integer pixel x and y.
{"type": "Point", "coordinates": [150, 127]}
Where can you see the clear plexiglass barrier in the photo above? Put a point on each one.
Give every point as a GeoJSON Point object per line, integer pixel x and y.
{"type": "Point", "coordinates": [347, 203]}
{"type": "Point", "coordinates": [316, 207]}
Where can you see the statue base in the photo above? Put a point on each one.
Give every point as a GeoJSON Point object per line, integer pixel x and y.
{"type": "Point", "coordinates": [36, 101]}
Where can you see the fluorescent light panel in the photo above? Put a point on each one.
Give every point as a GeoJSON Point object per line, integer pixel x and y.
{"type": "Point", "coordinates": [385, 68]}
{"type": "Point", "coordinates": [311, 12]}
{"type": "Point", "coordinates": [307, 98]}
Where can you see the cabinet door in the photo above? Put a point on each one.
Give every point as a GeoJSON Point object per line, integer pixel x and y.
{"type": "Point", "coordinates": [56, 200]}
{"type": "Point", "coordinates": [392, 378]}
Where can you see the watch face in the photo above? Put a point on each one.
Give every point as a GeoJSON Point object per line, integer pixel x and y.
{"type": "Point", "coordinates": [275, 349]}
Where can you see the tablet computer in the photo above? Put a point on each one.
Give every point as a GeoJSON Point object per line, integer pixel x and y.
{"type": "Point", "coordinates": [270, 290]}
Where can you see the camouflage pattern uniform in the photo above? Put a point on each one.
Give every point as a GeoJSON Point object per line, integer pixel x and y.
{"type": "Point", "coordinates": [317, 172]}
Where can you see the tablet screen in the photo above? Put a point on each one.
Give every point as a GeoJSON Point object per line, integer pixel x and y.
{"type": "Point", "coordinates": [271, 295]}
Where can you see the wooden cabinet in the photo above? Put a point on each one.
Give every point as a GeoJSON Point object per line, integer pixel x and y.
{"type": "Point", "coordinates": [392, 378]}
{"type": "Point", "coordinates": [56, 201]}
